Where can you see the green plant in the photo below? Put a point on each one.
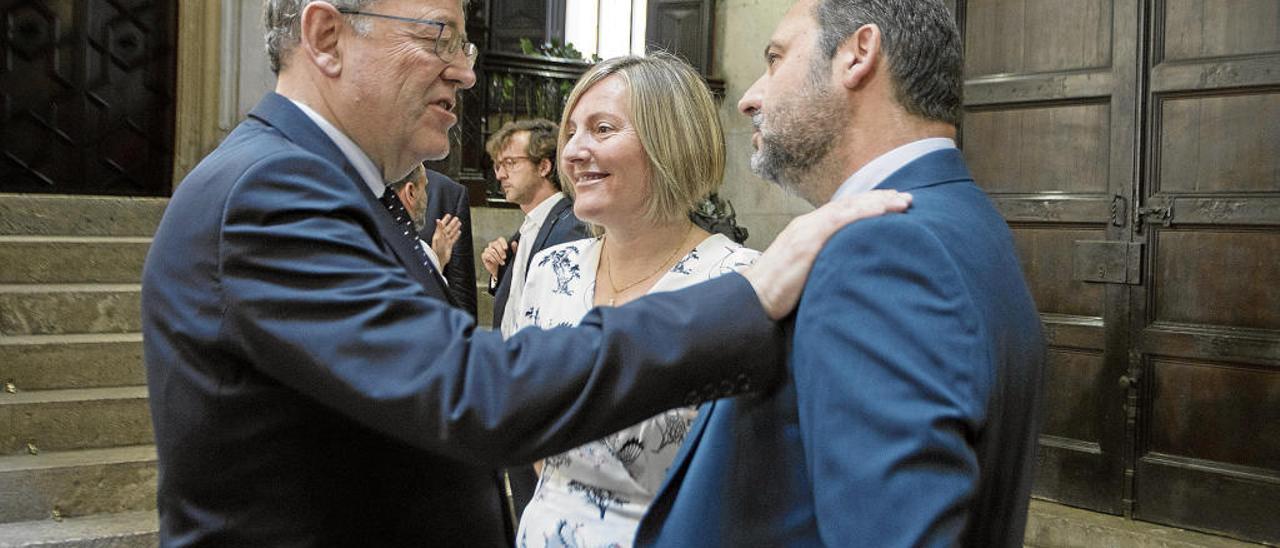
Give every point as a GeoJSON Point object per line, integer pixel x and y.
{"type": "Point", "coordinates": [553, 48]}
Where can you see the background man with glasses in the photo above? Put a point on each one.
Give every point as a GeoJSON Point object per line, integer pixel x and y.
{"type": "Point", "coordinates": [524, 159]}
{"type": "Point", "coordinates": [310, 385]}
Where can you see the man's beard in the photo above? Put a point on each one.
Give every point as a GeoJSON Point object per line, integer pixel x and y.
{"type": "Point", "coordinates": [802, 134]}
{"type": "Point", "coordinates": [419, 214]}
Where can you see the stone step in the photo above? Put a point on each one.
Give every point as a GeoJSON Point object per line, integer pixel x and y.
{"type": "Point", "coordinates": [124, 530]}
{"type": "Point", "coordinates": [77, 483]}
{"type": "Point", "coordinates": [64, 420]}
{"type": "Point", "coordinates": [55, 215]}
{"type": "Point", "coordinates": [71, 259]}
{"type": "Point", "coordinates": [1051, 525]}
{"type": "Point", "coordinates": [51, 362]}
{"type": "Point", "coordinates": [39, 309]}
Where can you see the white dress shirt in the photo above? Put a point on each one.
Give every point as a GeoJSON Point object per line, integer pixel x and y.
{"type": "Point", "coordinates": [528, 234]}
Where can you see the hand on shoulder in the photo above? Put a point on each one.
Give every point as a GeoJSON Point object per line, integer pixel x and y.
{"type": "Point", "coordinates": [778, 276]}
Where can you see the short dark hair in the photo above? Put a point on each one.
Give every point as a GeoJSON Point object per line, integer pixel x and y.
{"type": "Point", "coordinates": [542, 142]}
{"type": "Point", "coordinates": [920, 41]}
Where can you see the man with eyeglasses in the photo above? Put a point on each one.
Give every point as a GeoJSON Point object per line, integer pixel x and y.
{"type": "Point", "coordinates": [310, 385]}
{"type": "Point", "coordinates": [524, 160]}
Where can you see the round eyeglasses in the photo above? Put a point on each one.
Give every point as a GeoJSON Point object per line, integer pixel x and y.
{"type": "Point", "coordinates": [509, 162]}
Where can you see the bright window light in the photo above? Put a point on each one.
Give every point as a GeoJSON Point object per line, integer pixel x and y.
{"type": "Point", "coordinates": [607, 28]}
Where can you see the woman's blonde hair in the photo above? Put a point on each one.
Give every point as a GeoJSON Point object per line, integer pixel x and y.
{"type": "Point", "coordinates": [677, 123]}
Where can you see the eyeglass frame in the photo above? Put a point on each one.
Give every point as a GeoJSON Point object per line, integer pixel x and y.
{"type": "Point", "coordinates": [508, 163]}
{"type": "Point", "coordinates": [469, 50]}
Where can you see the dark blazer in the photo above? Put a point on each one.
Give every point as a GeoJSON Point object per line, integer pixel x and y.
{"type": "Point", "coordinates": [561, 226]}
{"type": "Point", "coordinates": [444, 195]}
{"type": "Point", "coordinates": [307, 390]}
{"type": "Point", "coordinates": [908, 417]}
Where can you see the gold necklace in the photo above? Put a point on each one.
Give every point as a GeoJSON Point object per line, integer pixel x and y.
{"type": "Point", "coordinates": [608, 266]}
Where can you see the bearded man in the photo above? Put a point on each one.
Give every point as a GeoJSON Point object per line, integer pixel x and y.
{"type": "Point", "coordinates": [909, 412]}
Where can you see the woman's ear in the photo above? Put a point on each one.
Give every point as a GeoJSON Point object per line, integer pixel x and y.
{"type": "Point", "coordinates": [320, 30]}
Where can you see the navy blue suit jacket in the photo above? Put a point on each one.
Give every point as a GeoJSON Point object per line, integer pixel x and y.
{"type": "Point", "coordinates": [444, 195]}
{"type": "Point", "coordinates": [308, 390]}
{"type": "Point", "coordinates": [561, 226]}
{"type": "Point", "coordinates": [908, 417]}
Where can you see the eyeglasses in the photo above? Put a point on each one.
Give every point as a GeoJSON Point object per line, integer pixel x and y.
{"type": "Point", "coordinates": [445, 48]}
{"type": "Point", "coordinates": [508, 163]}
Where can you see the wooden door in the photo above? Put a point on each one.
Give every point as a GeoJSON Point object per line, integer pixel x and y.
{"type": "Point", "coordinates": [1050, 133]}
{"type": "Point", "coordinates": [1134, 148]}
{"type": "Point", "coordinates": [86, 96]}
{"type": "Point", "coordinates": [1206, 328]}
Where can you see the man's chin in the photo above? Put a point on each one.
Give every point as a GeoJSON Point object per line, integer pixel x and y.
{"type": "Point", "coordinates": [763, 168]}
{"type": "Point", "coordinates": [788, 180]}
{"type": "Point", "coordinates": [436, 155]}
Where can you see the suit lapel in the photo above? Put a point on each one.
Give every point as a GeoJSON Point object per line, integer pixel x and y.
{"type": "Point", "coordinates": [279, 112]}
{"type": "Point", "coordinates": [560, 211]}
{"type": "Point", "coordinates": [403, 249]}
{"type": "Point", "coordinates": [503, 290]}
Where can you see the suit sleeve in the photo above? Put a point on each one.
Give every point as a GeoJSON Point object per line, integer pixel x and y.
{"type": "Point", "coordinates": [314, 300]}
{"type": "Point", "coordinates": [884, 359]}
{"type": "Point", "coordinates": [461, 270]}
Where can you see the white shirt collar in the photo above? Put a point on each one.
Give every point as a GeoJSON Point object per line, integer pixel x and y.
{"type": "Point", "coordinates": [364, 166]}
{"type": "Point", "coordinates": [877, 170]}
{"type": "Point", "coordinates": [538, 215]}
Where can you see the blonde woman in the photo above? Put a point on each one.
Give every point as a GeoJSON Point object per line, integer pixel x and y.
{"type": "Point", "coordinates": [640, 145]}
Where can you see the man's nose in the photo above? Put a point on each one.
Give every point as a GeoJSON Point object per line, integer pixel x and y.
{"type": "Point", "coordinates": [750, 102]}
{"type": "Point", "coordinates": [459, 75]}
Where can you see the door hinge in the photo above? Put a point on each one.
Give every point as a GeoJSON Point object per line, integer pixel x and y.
{"type": "Point", "coordinates": [1107, 262]}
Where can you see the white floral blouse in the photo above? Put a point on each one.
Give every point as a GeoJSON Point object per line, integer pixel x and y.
{"type": "Point", "coordinates": [595, 495]}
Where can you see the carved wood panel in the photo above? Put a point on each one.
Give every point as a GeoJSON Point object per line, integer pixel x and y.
{"type": "Point", "coordinates": [1207, 327]}
{"type": "Point", "coordinates": [682, 27]}
{"type": "Point", "coordinates": [1048, 133]}
{"type": "Point", "coordinates": [87, 89]}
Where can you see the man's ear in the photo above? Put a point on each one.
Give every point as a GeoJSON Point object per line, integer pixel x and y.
{"type": "Point", "coordinates": [321, 27]}
{"type": "Point", "coordinates": [858, 57]}
{"type": "Point", "coordinates": [544, 168]}
{"type": "Point", "coordinates": [411, 190]}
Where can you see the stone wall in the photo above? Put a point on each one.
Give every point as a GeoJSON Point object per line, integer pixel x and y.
{"type": "Point", "coordinates": [742, 30]}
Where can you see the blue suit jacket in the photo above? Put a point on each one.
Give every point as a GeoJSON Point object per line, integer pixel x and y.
{"type": "Point", "coordinates": [444, 195]}
{"type": "Point", "coordinates": [908, 414]}
{"type": "Point", "coordinates": [308, 390]}
{"type": "Point", "coordinates": [561, 226]}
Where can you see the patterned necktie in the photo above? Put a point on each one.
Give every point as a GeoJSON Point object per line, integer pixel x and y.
{"type": "Point", "coordinates": [401, 216]}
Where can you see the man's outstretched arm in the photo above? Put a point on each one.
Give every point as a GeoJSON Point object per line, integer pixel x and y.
{"type": "Point", "coordinates": [323, 308]}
